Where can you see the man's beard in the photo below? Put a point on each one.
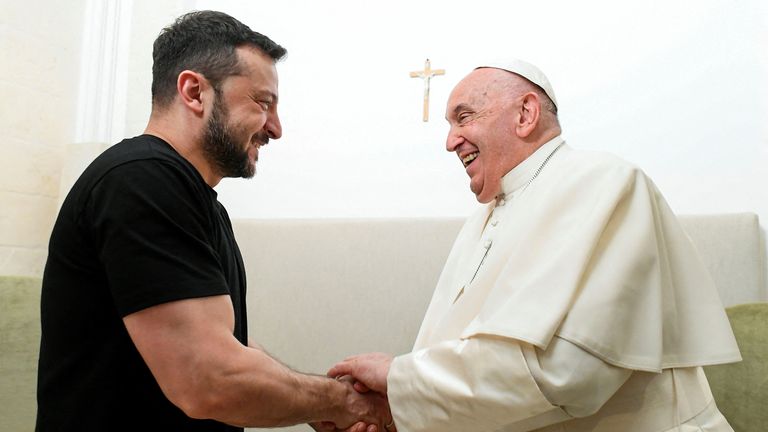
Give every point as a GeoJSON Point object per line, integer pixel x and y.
{"type": "Point", "coordinates": [221, 147]}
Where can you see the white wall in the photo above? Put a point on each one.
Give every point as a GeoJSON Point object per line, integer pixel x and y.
{"type": "Point", "coordinates": [39, 43]}
{"type": "Point", "coordinates": [680, 88]}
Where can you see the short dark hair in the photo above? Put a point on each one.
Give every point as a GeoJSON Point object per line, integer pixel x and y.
{"type": "Point", "coordinates": [205, 42]}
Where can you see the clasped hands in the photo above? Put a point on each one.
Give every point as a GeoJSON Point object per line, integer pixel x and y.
{"type": "Point", "coordinates": [367, 374]}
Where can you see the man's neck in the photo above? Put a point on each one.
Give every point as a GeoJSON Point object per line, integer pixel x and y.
{"type": "Point", "coordinates": [187, 144]}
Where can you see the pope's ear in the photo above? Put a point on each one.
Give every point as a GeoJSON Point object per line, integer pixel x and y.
{"type": "Point", "coordinates": [530, 114]}
{"type": "Point", "coordinates": [189, 87]}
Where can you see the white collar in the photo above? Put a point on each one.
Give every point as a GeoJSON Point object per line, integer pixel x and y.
{"type": "Point", "coordinates": [524, 172]}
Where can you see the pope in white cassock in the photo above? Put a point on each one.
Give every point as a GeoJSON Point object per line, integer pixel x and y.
{"type": "Point", "coordinates": [572, 300]}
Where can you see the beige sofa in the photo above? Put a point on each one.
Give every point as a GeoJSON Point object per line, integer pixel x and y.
{"type": "Point", "coordinates": [323, 289]}
{"type": "Point", "coordinates": [320, 290]}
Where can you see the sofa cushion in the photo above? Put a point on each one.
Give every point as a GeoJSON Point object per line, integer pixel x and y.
{"type": "Point", "coordinates": [19, 348]}
{"type": "Point", "coordinates": [741, 389]}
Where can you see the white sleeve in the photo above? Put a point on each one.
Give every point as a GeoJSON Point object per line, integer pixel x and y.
{"type": "Point", "coordinates": [485, 384]}
{"type": "Point", "coordinates": [572, 378]}
{"type": "Point", "coordinates": [478, 384]}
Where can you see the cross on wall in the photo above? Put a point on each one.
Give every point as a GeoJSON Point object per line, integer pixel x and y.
{"type": "Point", "coordinates": [427, 75]}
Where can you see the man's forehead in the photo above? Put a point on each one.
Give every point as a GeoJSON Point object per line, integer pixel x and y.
{"type": "Point", "coordinates": [252, 58]}
{"type": "Point", "coordinates": [258, 68]}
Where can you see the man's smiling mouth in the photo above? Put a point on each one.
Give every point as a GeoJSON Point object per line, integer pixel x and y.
{"type": "Point", "coordinates": [469, 158]}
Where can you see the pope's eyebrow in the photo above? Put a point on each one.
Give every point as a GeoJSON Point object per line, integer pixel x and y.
{"type": "Point", "coordinates": [459, 108]}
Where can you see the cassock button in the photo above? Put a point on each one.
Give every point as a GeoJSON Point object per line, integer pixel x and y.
{"type": "Point", "coordinates": [488, 244]}
{"type": "Point", "coordinates": [501, 202]}
{"type": "Point", "coordinates": [494, 222]}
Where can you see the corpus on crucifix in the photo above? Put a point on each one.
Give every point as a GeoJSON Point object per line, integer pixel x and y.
{"type": "Point", "coordinates": [426, 75]}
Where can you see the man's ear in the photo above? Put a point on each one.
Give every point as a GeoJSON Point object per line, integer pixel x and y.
{"type": "Point", "coordinates": [190, 86]}
{"type": "Point", "coordinates": [530, 114]}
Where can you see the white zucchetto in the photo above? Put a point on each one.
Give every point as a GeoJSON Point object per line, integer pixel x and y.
{"type": "Point", "coordinates": [525, 70]}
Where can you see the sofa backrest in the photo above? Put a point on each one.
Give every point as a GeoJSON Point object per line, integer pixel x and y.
{"type": "Point", "coordinates": [732, 246]}
{"type": "Point", "coordinates": [319, 290]}
{"type": "Point", "coordinates": [322, 289]}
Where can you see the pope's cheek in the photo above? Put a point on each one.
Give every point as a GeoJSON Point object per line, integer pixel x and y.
{"type": "Point", "coordinates": [476, 184]}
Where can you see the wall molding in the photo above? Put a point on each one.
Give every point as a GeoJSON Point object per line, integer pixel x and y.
{"type": "Point", "coordinates": [103, 86]}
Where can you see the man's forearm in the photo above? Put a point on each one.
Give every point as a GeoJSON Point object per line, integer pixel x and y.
{"type": "Point", "coordinates": [259, 391]}
{"type": "Point", "coordinates": [204, 370]}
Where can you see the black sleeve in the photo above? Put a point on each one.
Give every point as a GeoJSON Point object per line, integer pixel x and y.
{"type": "Point", "coordinates": [150, 226]}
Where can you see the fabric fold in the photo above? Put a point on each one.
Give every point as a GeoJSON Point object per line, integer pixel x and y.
{"type": "Point", "coordinates": [615, 274]}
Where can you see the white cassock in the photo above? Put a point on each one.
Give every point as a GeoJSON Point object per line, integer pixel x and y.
{"type": "Point", "coordinates": [574, 302]}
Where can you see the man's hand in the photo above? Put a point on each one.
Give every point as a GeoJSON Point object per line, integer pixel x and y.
{"type": "Point", "coordinates": [370, 369]}
{"type": "Point", "coordinates": [358, 412]}
{"type": "Point", "coordinates": [330, 427]}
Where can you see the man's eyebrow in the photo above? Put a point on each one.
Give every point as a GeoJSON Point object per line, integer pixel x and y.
{"type": "Point", "coordinates": [264, 94]}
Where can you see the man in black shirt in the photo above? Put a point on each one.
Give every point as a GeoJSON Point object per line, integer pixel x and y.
{"type": "Point", "coordinates": [143, 304]}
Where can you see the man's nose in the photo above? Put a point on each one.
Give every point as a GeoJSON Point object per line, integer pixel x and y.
{"type": "Point", "coordinates": [273, 126]}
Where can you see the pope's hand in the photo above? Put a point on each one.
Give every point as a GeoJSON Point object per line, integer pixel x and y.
{"type": "Point", "coordinates": [369, 369]}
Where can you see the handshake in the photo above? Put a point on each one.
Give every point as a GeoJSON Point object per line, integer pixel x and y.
{"type": "Point", "coordinates": [366, 408]}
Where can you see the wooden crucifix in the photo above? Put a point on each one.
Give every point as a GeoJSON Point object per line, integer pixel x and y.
{"type": "Point", "coordinates": [426, 75]}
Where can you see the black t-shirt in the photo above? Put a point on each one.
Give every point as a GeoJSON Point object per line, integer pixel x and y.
{"type": "Point", "coordinates": [139, 228]}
